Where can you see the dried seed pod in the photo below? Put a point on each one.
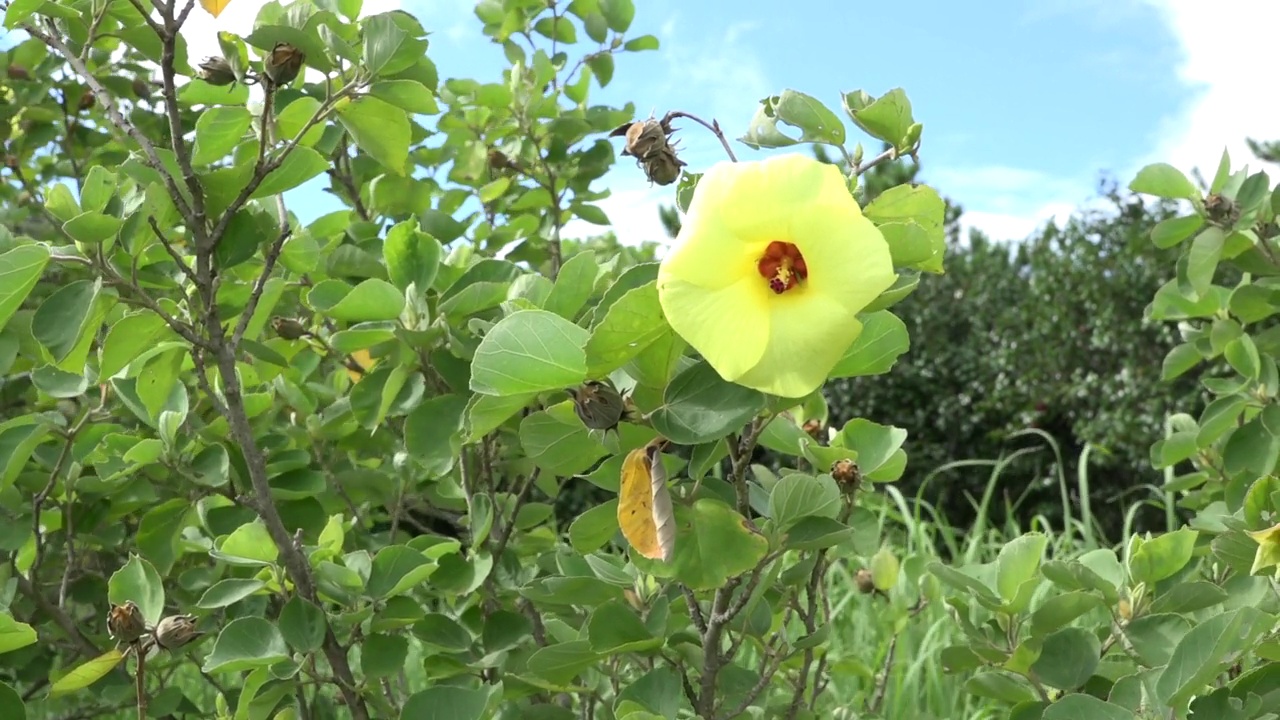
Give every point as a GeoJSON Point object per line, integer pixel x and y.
{"type": "Point", "coordinates": [283, 63]}
{"type": "Point", "coordinates": [18, 72]}
{"type": "Point", "coordinates": [175, 631]}
{"type": "Point", "coordinates": [649, 142]}
{"type": "Point", "coordinates": [125, 623]}
{"type": "Point", "coordinates": [847, 475]}
{"type": "Point", "coordinates": [216, 71]}
{"type": "Point", "coordinates": [288, 328]}
{"type": "Point", "coordinates": [813, 429]}
{"type": "Point", "coordinates": [598, 404]}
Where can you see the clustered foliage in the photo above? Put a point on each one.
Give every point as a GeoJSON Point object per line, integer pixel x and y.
{"type": "Point", "coordinates": [258, 468]}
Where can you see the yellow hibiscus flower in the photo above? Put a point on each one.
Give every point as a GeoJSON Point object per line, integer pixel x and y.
{"type": "Point", "coordinates": [1268, 553]}
{"type": "Point", "coordinates": [773, 262]}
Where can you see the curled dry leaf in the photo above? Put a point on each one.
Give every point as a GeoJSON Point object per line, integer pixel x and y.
{"type": "Point", "coordinates": [645, 513]}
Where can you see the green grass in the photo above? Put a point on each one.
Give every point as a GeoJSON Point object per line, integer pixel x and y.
{"type": "Point", "coordinates": [864, 626]}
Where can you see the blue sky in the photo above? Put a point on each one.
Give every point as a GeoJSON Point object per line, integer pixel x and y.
{"type": "Point", "coordinates": [1024, 102]}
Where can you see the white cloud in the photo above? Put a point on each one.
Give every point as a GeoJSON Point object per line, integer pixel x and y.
{"type": "Point", "coordinates": [1228, 50]}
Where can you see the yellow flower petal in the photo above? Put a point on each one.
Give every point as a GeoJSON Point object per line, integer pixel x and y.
{"type": "Point", "coordinates": [712, 292]}
{"type": "Point", "coordinates": [847, 256]}
{"type": "Point", "coordinates": [807, 337]}
{"type": "Point", "coordinates": [727, 326]}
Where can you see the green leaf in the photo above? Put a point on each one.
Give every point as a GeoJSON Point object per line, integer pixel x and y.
{"type": "Point", "coordinates": [11, 705]}
{"type": "Point", "coordinates": [409, 95]}
{"type": "Point", "coordinates": [529, 351]}
{"type": "Point", "coordinates": [557, 441]}
{"type": "Point", "coordinates": [618, 14]}
{"type": "Point", "coordinates": [397, 569]}
{"type": "Point", "coordinates": [302, 624]}
{"type": "Point", "coordinates": [293, 119]}
{"type": "Point", "coordinates": [886, 118]}
{"type": "Point", "coordinates": [615, 629]}
{"type": "Point", "coordinates": [380, 129]}
{"type": "Point", "coordinates": [1162, 556]}
{"type": "Point", "coordinates": [797, 495]}
{"type": "Point", "coordinates": [86, 673]}
{"type": "Point", "coordinates": [18, 439]}
{"type": "Point", "coordinates": [250, 543]}
{"type": "Point", "coordinates": [128, 337]}
{"type": "Point", "coordinates": [1000, 686]}
{"type": "Point", "coordinates": [20, 269]}
{"type": "Point", "coordinates": [218, 131]}
{"type": "Point", "coordinates": [1059, 610]}
{"type": "Point", "coordinates": [875, 444]}
{"type": "Point", "coordinates": [556, 28]}
{"type": "Point", "coordinates": [1018, 562]}
{"type": "Point", "coordinates": [92, 228]}
{"type": "Point", "coordinates": [558, 663]}
{"type": "Point", "coordinates": [881, 342]}
{"type": "Point", "coordinates": [573, 286]}
{"type": "Point", "coordinates": [447, 701]}
{"type": "Point", "coordinates": [1202, 260]}
{"type": "Point", "coordinates": [713, 544]}
{"type": "Point", "coordinates": [14, 634]}
{"type": "Point", "coordinates": [631, 324]}
{"type": "Point", "coordinates": [60, 320]}
{"type": "Point", "coordinates": [1078, 706]}
{"type": "Point", "coordinates": [816, 122]}
{"type": "Point", "coordinates": [137, 580]}
{"type": "Point", "coordinates": [383, 655]}
{"type": "Point", "coordinates": [372, 299]}
{"type": "Point", "coordinates": [1172, 231]}
{"type": "Point", "coordinates": [644, 42]}
{"type": "Point", "coordinates": [1251, 448]}
{"type": "Point", "coordinates": [1155, 636]}
{"type": "Point", "coordinates": [432, 433]}
{"type": "Point", "coordinates": [229, 591]}
{"type": "Point", "coordinates": [411, 256]}
{"type": "Point", "coordinates": [1164, 180]}
{"type": "Point", "coordinates": [591, 530]}
{"type": "Point", "coordinates": [1205, 650]}
{"type": "Point", "coordinates": [244, 644]}
{"type": "Point", "coordinates": [298, 167]}
{"type": "Point", "coordinates": [1242, 355]}
{"type": "Point", "coordinates": [1068, 658]}
{"type": "Point", "coordinates": [699, 406]}
{"type": "Point", "coordinates": [55, 383]}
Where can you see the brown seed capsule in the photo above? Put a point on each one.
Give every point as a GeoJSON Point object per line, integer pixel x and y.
{"type": "Point", "coordinates": [649, 142]}
{"type": "Point", "coordinates": [125, 623]}
{"type": "Point", "coordinates": [288, 328]}
{"type": "Point", "coordinates": [87, 100]}
{"type": "Point", "coordinates": [175, 631]}
{"type": "Point", "coordinates": [142, 89]}
{"type": "Point", "coordinates": [598, 404]}
{"type": "Point", "coordinates": [846, 474]}
{"type": "Point", "coordinates": [283, 63]}
{"type": "Point", "coordinates": [813, 429]}
{"type": "Point", "coordinates": [499, 161]}
{"type": "Point", "coordinates": [18, 72]}
{"type": "Point", "coordinates": [863, 580]}
{"type": "Point", "coordinates": [216, 71]}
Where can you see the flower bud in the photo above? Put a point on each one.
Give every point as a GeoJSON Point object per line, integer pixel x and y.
{"type": "Point", "coordinates": [175, 631]}
{"type": "Point", "coordinates": [282, 64]}
{"type": "Point", "coordinates": [863, 580]}
{"type": "Point", "coordinates": [125, 623]}
{"type": "Point", "coordinates": [216, 71]}
{"type": "Point", "coordinates": [598, 404]}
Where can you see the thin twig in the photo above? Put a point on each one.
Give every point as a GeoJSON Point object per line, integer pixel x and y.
{"type": "Point", "coordinates": [713, 126]}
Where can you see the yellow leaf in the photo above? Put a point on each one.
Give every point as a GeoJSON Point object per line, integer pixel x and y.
{"type": "Point", "coordinates": [644, 504]}
{"type": "Point", "coordinates": [362, 359]}
{"type": "Point", "coordinates": [215, 7]}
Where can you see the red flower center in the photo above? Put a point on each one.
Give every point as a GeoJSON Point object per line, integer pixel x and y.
{"type": "Point", "coordinates": [783, 266]}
